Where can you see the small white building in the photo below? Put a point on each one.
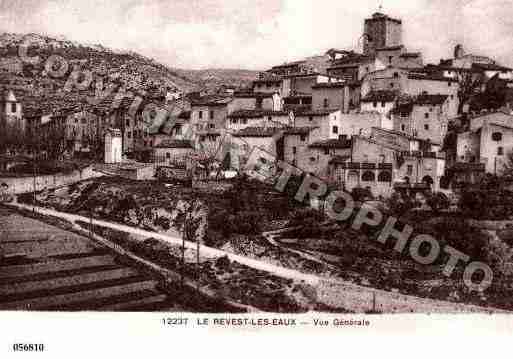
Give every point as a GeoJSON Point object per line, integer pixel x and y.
{"type": "Point", "coordinates": [113, 146]}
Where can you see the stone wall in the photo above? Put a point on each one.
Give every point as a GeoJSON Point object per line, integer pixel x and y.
{"type": "Point", "coordinates": [19, 185]}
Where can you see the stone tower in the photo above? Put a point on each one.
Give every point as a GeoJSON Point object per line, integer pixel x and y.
{"type": "Point", "coordinates": [381, 31]}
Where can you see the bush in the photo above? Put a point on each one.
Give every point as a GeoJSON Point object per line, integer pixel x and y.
{"type": "Point", "coordinates": [398, 204]}
{"type": "Point", "coordinates": [438, 201]}
{"type": "Point", "coordinates": [361, 194]}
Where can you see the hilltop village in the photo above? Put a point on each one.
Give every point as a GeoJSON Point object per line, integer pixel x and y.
{"type": "Point", "coordinates": [112, 147]}
{"type": "Point", "coordinates": [380, 119]}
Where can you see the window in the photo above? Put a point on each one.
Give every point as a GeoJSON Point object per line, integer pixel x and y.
{"type": "Point", "coordinates": [392, 86]}
{"type": "Point", "coordinates": [500, 151]}
{"type": "Point", "coordinates": [302, 138]}
{"type": "Point", "coordinates": [13, 107]}
{"type": "Point", "coordinates": [374, 104]}
{"type": "Point", "coordinates": [129, 134]}
{"type": "Point", "coordinates": [426, 115]}
{"type": "Point", "coordinates": [269, 118]}
{"type": "Point", "coordinates": [244, 121]}
{"type": "Point", "coordinates": [335, 129]}
{"type": "Point", "coordinates": [326, 103]}
{"type": "Point", "coordinates": [383, 104]}
{"type": "Point", "coordinates": [390, 58]}
{"type": "Point", "coordinates": [449, 84]}
{"type": "Point", "coordinates": [403, 128]}
{"type": "Point", "coordinates": [396, 75]}
{"type": "Point", "coordinates": [326, 151]}
{"type": "Point", "coordinates": [452, 97]}
{"type": "Point", "coordinates": [258, 103]}
{"type": "Point", "coordinates": [312, 159]}
{"type": "Point", "coordinates": [294, 150]}
{"type": "Point", "coordinates": [310, 118]}
{"type": "Point", "coordinates": [212, 126]}
{"type": "Point", "coordinates": [409, 170]}
{"type": "Point", "coordinates": [497, 136]}
{"type": "Point", "coordinates": [200, 114]}
{"type": "Point", "coordinates": [127, 122]}
{"type": "Point", "coordinates": [178, 130]}
{"type": "Point", "coordinates": [426, 127]}
{"type": "Point", "coordinates": [168, 155]}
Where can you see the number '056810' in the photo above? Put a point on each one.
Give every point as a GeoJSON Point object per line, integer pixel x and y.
{"type": "Point", "coordinates": [19, 347]}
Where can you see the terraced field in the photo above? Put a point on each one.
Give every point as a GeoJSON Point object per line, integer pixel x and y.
{"type": "Point", "coordinates": [43, 267]}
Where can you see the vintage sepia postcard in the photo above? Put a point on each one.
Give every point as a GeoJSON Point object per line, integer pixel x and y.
{"type": "Point", "coordinates": [170, 169]}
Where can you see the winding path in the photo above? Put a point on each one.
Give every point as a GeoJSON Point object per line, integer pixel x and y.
{"type": "Point", "coordinates": [333, 292]}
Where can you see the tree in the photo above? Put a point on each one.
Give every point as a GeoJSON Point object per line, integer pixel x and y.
{"type": "Point", "coordinates": [469, 85]}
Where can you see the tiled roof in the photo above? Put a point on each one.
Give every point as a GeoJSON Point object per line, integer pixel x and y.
{"type": "Point", "coordinates": [378, 16]}
{"type": "Point", "coordinates": [299, 94]}
{"type": "Point", "coordinates": [430, 77]}
{"type": "Point", "coordinates": [185, 115]}
{"type": "Point", "coordinates": [380, 96]}
{"type": "Point", "coordinates": [341, 84]}
{"type": "Point", "coordinates": [299, 130]}
{"type": "Point", "coordinates": [490, 67]}
{"type": "Point", "coordinates": [353, 58]}
{"type": "Point", "coordinates": [339, 159]}
{"type": "Point", "coordinates": [411, 54]}
{"type": "Point", "coordinates": [211, 100]}
{"type": "Point", "coordinates": [289, 64]}
{"type": "Point", "coordinates": [309, 112]}
{"type": "Point", "coordinates": [255, 113]}
{"type": "Point", "coordinates": [333, 143]}
{"type": "Point", "coordinates": [390, 48]}
{"type": "Point", "coordinates": [252, 94]}
{"type": "Point", "coordinates": [257, 132]}
{"type": "Point", "coordinates": [175, 144]}
{"type": "Point", "coordinates": [430, 99]}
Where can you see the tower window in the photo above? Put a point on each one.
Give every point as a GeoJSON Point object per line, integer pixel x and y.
{"type": "Point", "coordinates": [200, 114]}
{"type": "Point", "coordinates": [13, 107]}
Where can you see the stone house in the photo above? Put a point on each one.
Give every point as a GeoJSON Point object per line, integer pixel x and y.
{"type": "Point", "coordinates": [380, 101]}
{"type": "Point", "coordinates": [489, 141]}
{"type": "Point", "coordinates": [209, 113]}
{"type": "Point", "coordinates": [269, 139]}
{"type": "Point", "coordinates": [255, 101]}
{"type": "Point", "coordinates": [241, 119]}
{"type": "Point", "coordinates": [424, 116]}
{"type": "Point", "coordinates": [11, 112]}
{"type": "Point", "coordinates": [386, 162]}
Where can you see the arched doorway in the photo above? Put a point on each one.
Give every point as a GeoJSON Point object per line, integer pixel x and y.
{"type": "Point", "coordinates": [385, 176]}
{"type": "Point", "coordinates": [428, 180]}
{"type": "Point", "coordinates": [368, 176]}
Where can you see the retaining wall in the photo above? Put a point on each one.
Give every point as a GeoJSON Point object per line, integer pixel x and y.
{"type": "Point", "coordinates": [17, 185]}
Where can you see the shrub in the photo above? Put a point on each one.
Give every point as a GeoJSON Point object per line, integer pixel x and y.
{"type": "Point", "coordinates": [438, 201]}
{"type": "Point", "coordinates": [361, 194]}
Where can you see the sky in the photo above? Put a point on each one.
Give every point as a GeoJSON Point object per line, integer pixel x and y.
{"type": "Point", "coordinates": [256, 34]}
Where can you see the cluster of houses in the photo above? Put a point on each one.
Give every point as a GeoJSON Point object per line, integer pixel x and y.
{"type": "Point", "coordinates": [379, 119]}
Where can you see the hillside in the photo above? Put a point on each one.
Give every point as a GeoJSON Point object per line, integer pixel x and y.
{"type": "Point", "coordinates": [126, 68]}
